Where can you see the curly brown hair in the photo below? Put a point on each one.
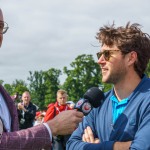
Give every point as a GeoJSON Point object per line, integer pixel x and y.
{"type": "Point", "coordinates": [127, 39]}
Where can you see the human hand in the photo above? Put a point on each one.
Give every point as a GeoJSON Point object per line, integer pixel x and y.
{"type": "Point", "coordinates": [89, 137]}
{"type": "Point", "coordinates": [66, 122]}
{"type": "Point", "coordinates": [20, 106]}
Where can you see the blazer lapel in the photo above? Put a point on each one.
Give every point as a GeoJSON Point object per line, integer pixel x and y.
{"type": "Point", "coordinates": [12, 109]}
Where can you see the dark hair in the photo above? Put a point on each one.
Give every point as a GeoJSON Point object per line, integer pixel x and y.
{"type": "Point", "coordinates": [127, 39]}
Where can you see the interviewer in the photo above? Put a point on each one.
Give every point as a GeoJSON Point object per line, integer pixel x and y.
{"type": "Point", "coordinates": [35, 138]}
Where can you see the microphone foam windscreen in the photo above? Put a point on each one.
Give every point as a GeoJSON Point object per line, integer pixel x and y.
{"type": "Point", "coordinates": [95, 96]}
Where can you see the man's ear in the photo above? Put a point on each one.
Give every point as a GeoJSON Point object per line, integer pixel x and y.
{"type": "Point", "coordinates": [132, 57]}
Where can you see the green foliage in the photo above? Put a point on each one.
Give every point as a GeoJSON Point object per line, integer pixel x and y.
{"type": "Point", "coordinates": [107, 87]}
{"type": "Point", "coordinates": [85, 73]}
{"type": "Point", "coordinates": [43, 86]}
{"type": "Point", "coordinates": [147, 72]}
{"type": "Point", "coordinates": [36, 87]}
{"type": "Point", "coordinates": [18, 86]}
{"type": "Point", "coordinates": [1, 82]}
{"type": "Point", "coordinates": [9, 88]}
{"type": "Point", "coordinates": [51, 78]}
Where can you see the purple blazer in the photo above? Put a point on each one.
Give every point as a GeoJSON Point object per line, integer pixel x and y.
{"type": "Point", "coordinates": [35, 138]}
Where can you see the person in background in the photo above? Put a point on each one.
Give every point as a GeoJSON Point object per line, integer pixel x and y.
{"type": "Point", "coordinates": [57, 107]}
{"type": "Point", "coordinates": [35, 138]}
{"type": "Point", "coordinates": [26, 111]}
{"type": "Point", "coordinates": [123, 120]}
{"type": "Point", "coordinates": [71, 104]}
{"type": "Point", "coordinates": [59, 142]}
{"type": "Point", "coordinates": [39, 118]}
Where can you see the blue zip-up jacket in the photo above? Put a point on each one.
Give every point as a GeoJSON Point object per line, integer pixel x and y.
{"type": "Point", "coordinates": [132, 125]}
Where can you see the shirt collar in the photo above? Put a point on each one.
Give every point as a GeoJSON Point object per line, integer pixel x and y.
{"type": "Point", "coordinates": [123, 101]}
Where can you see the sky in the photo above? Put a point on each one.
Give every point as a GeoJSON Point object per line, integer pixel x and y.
{"type": "Point", "coordinates": [51, 34]}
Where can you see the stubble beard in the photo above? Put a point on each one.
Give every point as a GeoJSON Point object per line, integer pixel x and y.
{"type": "Point", "coordinates": [115, 76]}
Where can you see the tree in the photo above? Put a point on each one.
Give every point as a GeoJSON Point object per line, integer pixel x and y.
{"type": "Point", "coordinates": [52, 83]}
{"type": "Point", "coordinates": [1, 82]}
{"type": "Point", "coordinates": [85, 73]}
{"type": "Point", "coordinates": [18, 86]}
{"type": "Point", "coordinates": [9, 88]}
{"type": "Point", "coordinates": [147, 72]}
{"type": "Point", "coordinates": [43, 86]}
{"type": "Point", "coordinates": [37, 88]}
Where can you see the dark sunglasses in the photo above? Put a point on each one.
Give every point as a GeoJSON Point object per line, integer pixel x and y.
{"type": "Point", "coordinates": [106, 53]}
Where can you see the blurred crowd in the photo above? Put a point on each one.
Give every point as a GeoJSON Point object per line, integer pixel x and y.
{"type": "Point", "coordinates": [29, 114]}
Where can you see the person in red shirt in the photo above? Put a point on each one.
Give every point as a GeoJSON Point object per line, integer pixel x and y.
{"type": "Point", "coordinates": [59, 106]}
{"type": "Point", "coordinates": [59, 142]}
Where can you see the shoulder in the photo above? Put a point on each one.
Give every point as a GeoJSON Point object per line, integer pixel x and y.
{"type": "Point", "coordinates": [32, 105]}
{"type": "Point", "coordinates": [50, 108]}
{"type": "Point", "coordinates": [51, 105]}
{"type": "Point", "coordinates": [144, 84]}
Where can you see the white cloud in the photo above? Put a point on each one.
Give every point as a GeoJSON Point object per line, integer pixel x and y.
{"type": "Point", "coordinates": [46, 34]}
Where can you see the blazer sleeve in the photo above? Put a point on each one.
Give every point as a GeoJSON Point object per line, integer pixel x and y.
{"type": "Point", "coordinates": [35, 138]}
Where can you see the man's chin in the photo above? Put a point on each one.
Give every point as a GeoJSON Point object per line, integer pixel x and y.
{"type": "Point", "coordinates": [104, 80]}
{"type": "Point", "coordinates": [62, 104]}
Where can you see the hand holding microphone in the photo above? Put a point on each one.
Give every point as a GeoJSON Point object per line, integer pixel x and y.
{"type": "Point", "coordinates": [65, 122]}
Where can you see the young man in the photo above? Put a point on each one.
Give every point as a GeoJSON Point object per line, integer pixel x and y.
{"type": "Point", "coordinates": [123, 121]}
{"type": "Point", "coordinates": [35, 138]}
{"type": "Point", "coordinates": [59, 106]}
{"type": "Point", "coordinates": [59, 142]}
